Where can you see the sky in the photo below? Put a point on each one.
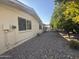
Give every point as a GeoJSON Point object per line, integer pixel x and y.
{"type": "Point", "coordinates": [44, 8]}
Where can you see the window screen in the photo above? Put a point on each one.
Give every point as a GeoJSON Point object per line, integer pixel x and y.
{"type": "Point", "coordinates": [29, 24]}
{"type": "Point", "coordinates": [21, 24]}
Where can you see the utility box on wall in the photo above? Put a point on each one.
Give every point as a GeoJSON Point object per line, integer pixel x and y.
{"type": "Point", "coordinates": [6, 28]}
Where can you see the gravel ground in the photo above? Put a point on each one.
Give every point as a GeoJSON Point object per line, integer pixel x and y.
{"type": "Point", "coordinates": [49, 45]}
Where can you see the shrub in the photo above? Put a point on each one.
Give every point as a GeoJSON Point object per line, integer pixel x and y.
{"type": "Point", "coordinates": [74, 44]}
{"type": "Point", "coordinates": [38, 34]}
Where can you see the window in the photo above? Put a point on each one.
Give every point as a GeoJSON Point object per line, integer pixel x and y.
{"type": "Point", "coordinates": [40, 27]}
{"type": "Point", "coordinates": [21, 24]}
{"type": "Point", "coordinates": [28, 24]}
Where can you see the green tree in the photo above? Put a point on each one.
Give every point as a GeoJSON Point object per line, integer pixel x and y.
{"type": "Point", "coordinates": [66, 14]}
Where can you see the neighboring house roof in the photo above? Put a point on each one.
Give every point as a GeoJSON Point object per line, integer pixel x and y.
{"type": "Point", "coordinates": [23, 7]}
{"type": "Point", "coordinates": [46, 25]}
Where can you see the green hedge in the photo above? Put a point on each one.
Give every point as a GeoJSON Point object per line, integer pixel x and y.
{"type": "Point", "coordinates": [74, 44]}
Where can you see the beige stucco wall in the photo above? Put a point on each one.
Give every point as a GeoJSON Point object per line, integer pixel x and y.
{"type": "Point", "coordinates": [9, 16]}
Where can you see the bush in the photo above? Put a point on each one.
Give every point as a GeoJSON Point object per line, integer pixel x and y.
{"type": "Point", "coordinates": [74, 44]}
{"type": "Point", "coordinates": [38, 34]}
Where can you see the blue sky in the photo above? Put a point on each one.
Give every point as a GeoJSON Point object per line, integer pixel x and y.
{"type": "Point", "coordinates": [44, 8]}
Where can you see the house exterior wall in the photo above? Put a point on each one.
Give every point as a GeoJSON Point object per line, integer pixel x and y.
{"type": "Point", "coordinates": [13, 37]}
